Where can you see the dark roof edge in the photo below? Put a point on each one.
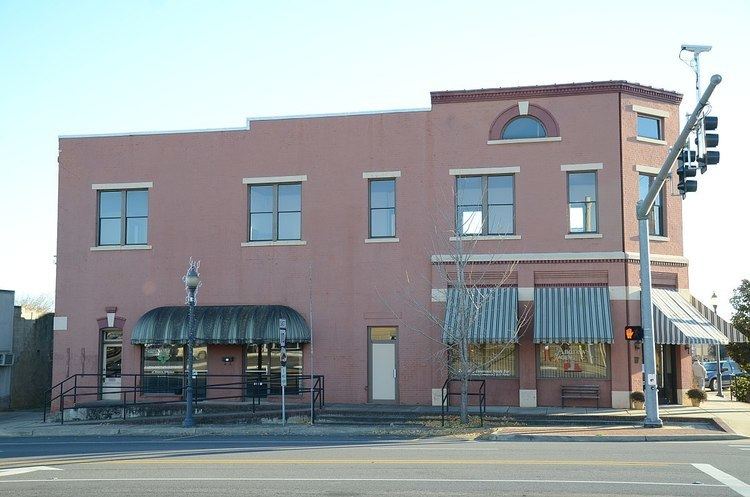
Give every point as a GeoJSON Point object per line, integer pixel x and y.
{"type": "Point", "coordinates": [561, 90]}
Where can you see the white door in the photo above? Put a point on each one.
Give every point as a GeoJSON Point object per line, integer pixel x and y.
{"type": "Point", "coordinates": [111, 369]}
{"type": "Point", "coordinates": [383, 361]}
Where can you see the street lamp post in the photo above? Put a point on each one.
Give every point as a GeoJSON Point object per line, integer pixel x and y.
{"type": "Point", "coordinates": [719, 387]}
{"type": "Point", "coordinates": [192, 282]}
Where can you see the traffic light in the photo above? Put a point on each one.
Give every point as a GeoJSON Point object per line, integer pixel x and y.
{"type": "Point", "coordinates": [685, 169]}
{"type": "Point", "coordinates": [711, 140]}
{"type": "Point", "coordinates": [633, 333]}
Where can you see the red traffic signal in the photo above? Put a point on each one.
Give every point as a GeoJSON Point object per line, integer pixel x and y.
{"type": "Point", "coordinates": [633, 333]}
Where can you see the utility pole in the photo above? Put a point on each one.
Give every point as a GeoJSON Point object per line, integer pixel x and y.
{"type": "Point", "coordinates": [643, 211]}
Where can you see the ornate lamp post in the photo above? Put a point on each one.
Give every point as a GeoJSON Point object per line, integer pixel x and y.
{"type": "Point", "coordinates": [719, 393]}
{"type": "Point", "coordinates": [192, 282]}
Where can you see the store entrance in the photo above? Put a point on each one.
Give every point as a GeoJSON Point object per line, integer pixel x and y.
{"type": "Point", "coordinates": [666, 376]}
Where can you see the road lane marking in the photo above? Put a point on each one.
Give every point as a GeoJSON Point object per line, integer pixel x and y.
{"type": "Point", "coordinates": [395, 480]}
{"type": "Point", "coordinates": [30, 469]}
{"type": "Point", "coordinates": [728, 480]}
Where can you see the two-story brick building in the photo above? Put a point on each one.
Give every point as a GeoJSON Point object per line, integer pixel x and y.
{"type": "Point", "coordinates": [342, 222]}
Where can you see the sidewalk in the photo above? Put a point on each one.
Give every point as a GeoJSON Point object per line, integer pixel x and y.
{"type": "Point", "coordinates": [715, 419]}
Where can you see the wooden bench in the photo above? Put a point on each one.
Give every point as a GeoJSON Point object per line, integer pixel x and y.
{"type": "Point", "coordinates": [580, 392]}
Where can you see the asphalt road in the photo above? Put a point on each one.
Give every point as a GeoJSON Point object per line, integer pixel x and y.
{"type": "Point", "coordinates": [213, 466]}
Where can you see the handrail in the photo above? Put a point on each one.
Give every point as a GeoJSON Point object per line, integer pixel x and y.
{"type": "Point", "coordinates": [253, 386]}
{"type": "Point", "coordinates": [446, 394]}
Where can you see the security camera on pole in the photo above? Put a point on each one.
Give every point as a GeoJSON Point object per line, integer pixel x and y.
{"type": "Point", "coordinates": [643, 211]}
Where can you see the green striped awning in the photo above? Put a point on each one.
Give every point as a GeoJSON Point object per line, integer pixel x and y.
{"type": "Point", "coordinates": [726, 328]}
{"type": "Point", "coordinates": [225, 324]}
{"type": "Point", "coordinates": [676, 322]}
{"type": "Point", "coordinates": [489, 314]}
{"type": "Point", "coordinates": [572, 315]}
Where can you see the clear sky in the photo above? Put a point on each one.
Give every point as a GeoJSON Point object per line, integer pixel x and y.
{"type": "Point", "coordinates": [98, 67]}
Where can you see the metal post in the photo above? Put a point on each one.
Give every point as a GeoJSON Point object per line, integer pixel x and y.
{"type": "Point", "coordinates": [719, 388]}
{"type": "Point", "coordinates": [192, 282]}
{"type": "Point", "coordinates": [189, 422]}
{"type": "Point", "coordinates": [643, 211]}
{"type": "Point", "coordinates": [647, 320]}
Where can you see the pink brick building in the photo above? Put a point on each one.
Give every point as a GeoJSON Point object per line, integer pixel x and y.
{"type": "Point", "coordinates": [349, 216]}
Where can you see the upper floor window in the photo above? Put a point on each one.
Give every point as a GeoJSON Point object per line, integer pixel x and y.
{"type": "Point", "coordinates": [275, 212]}
{"type": "Point", "coordinates": [650, 127]}
{"type": "Point", "coordinates": [656, 219]}
{"type": "Point", "coordinates": [523, 127]}
{"type": "Point", "coordinates": [123, 217]}
{"type": "Point", "coordinates": [485, 205]}
{"type": "Point", "coordinates": [582, 202]}
{"type": "Point", "coordinates": [382, 208]}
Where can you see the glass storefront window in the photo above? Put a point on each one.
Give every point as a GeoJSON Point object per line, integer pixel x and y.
{"type": "Point", "coordinates": [489, 359]}
{"type": "Point", "coordinates": [264, 358]}
{"type": "Point", "coordinates": [573, 360]}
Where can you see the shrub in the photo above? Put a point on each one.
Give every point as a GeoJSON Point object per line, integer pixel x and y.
{"type": "Point", "coordinates": [695, 393]}
{"type": "Point", "coordinates": [742, 388]}
{"type": "Point", "coordinates": [637, 397]}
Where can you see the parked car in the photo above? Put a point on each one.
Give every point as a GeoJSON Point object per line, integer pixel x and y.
{"type": "Point", "coordinates": [729, 369]}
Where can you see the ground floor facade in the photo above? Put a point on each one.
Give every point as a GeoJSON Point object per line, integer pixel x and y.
{"type": "Point", "coordinates": [569, 330]}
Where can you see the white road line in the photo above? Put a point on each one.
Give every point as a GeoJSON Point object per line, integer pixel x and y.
{"type": "Point", "coordinates": [728, 480]}
{"type": "Point", "coordinates": [396, 480]}
{"type": "Point", "coordinates": [30, 469]}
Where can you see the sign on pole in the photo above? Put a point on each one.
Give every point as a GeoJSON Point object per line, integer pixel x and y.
{"type": "Point", "coordinates": [282, 356]}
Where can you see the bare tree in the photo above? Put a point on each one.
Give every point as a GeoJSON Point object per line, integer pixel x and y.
{"type": "Point", "coordinates": [34, 305]}
{"type": "Point", "coordinates": [469, 277]}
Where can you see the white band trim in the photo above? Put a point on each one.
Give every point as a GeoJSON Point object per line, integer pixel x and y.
{"type": "Point", "coordinates": [122, 186]}
{"type": "Point", "coordinates": [647, 169]}
{"type": "Point", "coordinates": [106, 248]}
{"type": "Point", "coordinates": [582, 167]}
{"type": "Point", "coordinates": [485, 170]}
{"type": "Point", "coordinates": [525, 140]}
{"type": "Point", "coordinates": [274, 179]}
{"type": "Point", "coordinates": [649, 111]}
{"type": "Point", "coordinates": [381, 174]}
{"type": "Point", "coordinates": [270, 243]}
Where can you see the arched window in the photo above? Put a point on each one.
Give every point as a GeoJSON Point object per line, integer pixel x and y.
{"type": "Point", "coordinates": [524, 127]}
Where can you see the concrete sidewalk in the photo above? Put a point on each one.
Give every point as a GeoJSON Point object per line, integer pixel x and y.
{"type": "Point", "coordinates": [715, 419]}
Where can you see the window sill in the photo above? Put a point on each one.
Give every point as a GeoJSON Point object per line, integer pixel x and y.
{"type": "Point", "coordinates": [106, 248]}
{"type": "Point", "coordinates": [658, 238]}
{"type": "Point", "coordinates": [382, 240]}
{"type": "Point", "coordinates": [525, 140]}
{"type": "Point", "coordinates": [650, 140]}
{"type": "Point", "coordinates": [576, 236]}
{"type": "Point", "coordinates": [472, 238]}
{"type": "Point", "coordinates": [274, 243]}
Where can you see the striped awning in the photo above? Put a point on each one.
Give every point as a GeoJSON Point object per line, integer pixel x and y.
{"type": "Point", "coordinates": [572, 315]}
{"type": "Point", "coordinates": [720, 324]}
{"type": "Point", "coordinates": [676, 322]}
{"type": "Point", "coordinates": [224, 324]}
{"type": "Point", "coordinates": [490, 315]}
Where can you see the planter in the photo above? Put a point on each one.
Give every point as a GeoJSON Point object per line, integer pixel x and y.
{"type": "Point", "coordinates": [637, 405]}
{"type": "Point", "coordinates": [695, 402]}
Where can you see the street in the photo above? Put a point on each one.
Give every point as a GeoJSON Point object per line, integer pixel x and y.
{"type": "Point", "coordinates": [133, 466]}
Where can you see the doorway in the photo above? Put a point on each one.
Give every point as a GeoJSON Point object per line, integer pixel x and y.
{"type": "Point", "coordinates": [666, 377]}
{"type": "Point", "coordinates": [383, 364]}
{"type": "Point", "coordinates": [111, 364]}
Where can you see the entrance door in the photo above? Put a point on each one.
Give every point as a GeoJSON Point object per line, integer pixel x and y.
{"type": "Point", "coordinates": [111, 355]}
{"type": "Point", "coordinates": [666, 377]}
{"type": "Point", "coordinates": [383, 363]}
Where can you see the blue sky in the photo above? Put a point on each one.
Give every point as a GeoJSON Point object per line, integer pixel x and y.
{"type": "Point", "coordinates": [97, 67]}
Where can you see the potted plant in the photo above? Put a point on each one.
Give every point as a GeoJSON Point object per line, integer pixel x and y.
{"type": "Point", "coordinates": [637, 399]}
{"type": "Point", "coordinates": [696, 396]}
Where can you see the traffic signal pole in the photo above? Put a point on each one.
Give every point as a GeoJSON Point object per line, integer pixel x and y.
{"type": "Point", "coordinates": [643, 211]}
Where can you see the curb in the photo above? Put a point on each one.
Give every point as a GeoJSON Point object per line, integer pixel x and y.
{"type": "Point", "coordinates": [614, 438]}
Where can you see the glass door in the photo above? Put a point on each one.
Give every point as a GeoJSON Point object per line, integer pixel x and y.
{"type": "Point", "coordinates": [111, 354]}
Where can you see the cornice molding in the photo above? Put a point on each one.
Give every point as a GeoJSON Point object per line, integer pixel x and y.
{"type": "Point", "coordinates": [561, 90]}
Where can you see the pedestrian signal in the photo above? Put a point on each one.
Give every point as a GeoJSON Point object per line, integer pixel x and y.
{"type": "Point", "coordinates": [633, 333]}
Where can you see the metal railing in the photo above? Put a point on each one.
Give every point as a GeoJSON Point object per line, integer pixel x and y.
{"type": "Point", "coordinates": [88, 390]}
{"type": "Point", "coordinates": [480, 393]}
